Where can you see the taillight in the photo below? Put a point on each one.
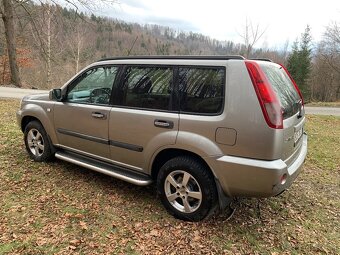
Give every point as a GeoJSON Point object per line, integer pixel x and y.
{"type": "Point", "coordinates": [270, 105]}
{"type": "Point", "coordinates": [295, 85]}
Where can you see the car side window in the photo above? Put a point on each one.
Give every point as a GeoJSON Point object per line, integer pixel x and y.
{"type": "Point", "coordinates": [93, 86]}
{"type": "Point", "coordinates": [148, 87]}
{"type": "Point", "coordinates": [201, 89]}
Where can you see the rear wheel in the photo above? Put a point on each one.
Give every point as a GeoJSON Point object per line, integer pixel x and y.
{"type": "Point", "coordinates": [37, 143]}
{"type": "Point", "coordinates": [186, 188]}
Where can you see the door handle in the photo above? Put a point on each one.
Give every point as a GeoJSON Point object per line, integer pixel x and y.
{"type": "Point", "coordinates": [164, 124]}
{"type": "Point", "coordinates": [98, 115]}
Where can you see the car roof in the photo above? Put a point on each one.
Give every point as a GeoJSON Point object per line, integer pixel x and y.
{"type": "Point", "coordinates": [187, 57]}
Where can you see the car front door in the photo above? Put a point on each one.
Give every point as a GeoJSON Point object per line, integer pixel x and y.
{"type": "Point", "coordinates": [81, 119]}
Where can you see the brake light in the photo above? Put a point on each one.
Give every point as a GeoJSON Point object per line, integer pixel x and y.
{"type": "Point", "coordinates": [294, 83]}
{"type": "Point", "coordinates": [270, 105]}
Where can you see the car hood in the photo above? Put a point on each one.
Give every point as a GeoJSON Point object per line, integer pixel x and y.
{"type": "Point", "coordinates": [42, 96]}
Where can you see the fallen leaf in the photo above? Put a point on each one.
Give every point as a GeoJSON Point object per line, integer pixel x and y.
{"type": "Point", "coordinates": [154, 232]}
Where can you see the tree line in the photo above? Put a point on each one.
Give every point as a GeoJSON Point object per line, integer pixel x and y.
{"type": "Point", "coordinates": [51, 43]}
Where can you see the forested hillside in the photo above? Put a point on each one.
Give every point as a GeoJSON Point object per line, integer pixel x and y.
{"type": "Point", "coordinates": [54, 43]}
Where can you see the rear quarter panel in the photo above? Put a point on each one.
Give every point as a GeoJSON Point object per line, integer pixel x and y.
{"type": "Point", "coordinates": [255, 139]}
{"type": "Point", "coordinates": [242, 112]}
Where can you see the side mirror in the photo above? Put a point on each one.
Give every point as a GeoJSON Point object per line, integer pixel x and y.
{"type": "Point", "coordinates": [55, 94]}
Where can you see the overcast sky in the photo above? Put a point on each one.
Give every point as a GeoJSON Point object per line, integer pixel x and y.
{"type": "Point", "coordinates": [225, 19]}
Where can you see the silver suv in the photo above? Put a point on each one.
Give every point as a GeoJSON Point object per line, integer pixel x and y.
{"type": "Point", "coordinates": [206, 129]}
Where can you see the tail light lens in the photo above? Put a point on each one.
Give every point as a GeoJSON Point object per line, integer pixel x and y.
{"type": "Point", "coordinates": [295, 85]}
{"type": "Point", "coordinates": [270, 105]}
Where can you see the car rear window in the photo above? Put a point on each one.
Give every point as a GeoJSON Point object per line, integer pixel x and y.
{"type": "Point", "coordinates": [283, 87]}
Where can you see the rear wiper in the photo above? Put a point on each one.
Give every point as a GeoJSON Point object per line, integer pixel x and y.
{"type": "Point", "coordinates": [299, 103]}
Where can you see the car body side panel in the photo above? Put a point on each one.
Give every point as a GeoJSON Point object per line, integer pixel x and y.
{"type": "Point", "coordinates": [255, 139]}
{"type": "Point", "coordinates": [40, 107]}
{"type": "Point", "coordinates": [78, 129]}
{"type": "Point", "coordinates": [134, 137]}
{"type": "Point", "coordinates": [242, 113]}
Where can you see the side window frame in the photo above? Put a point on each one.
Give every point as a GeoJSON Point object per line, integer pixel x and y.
{"type": "Point", "coordinates": [118, 98]}
{"type": "Point", "coordinates": [76, 80]}
{"type": "Point", "coordinates": [179, 93]}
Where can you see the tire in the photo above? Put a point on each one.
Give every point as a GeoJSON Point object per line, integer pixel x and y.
{"type": "Point", "coordinates": [187, 188]}
{"type": "Point", "coordinates": [37, 142]}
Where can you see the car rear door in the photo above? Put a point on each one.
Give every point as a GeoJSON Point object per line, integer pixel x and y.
{"type": "Point", "coordinates": [143, 119]}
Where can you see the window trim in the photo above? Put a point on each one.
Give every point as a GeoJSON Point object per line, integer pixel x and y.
{"type": "Point", "coordinates": [174, 95]}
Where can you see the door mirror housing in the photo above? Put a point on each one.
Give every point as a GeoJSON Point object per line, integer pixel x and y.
{"type": "Point", "coordinates": [56, 94]}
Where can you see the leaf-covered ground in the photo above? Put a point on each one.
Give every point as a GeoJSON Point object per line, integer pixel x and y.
{"type": "Point", "coordinates": [59, 208]}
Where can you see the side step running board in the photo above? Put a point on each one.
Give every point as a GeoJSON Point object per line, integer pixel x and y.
{"type": "Point", "coordinates": [118, 172]}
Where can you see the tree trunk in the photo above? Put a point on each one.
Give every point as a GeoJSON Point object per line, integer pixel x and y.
{"type": "Point", "coordinates": [49, 72]}
{"type": "Point", "coordinates": [78, 52]}
{"type": "Point", "coordinates": [8, 19]}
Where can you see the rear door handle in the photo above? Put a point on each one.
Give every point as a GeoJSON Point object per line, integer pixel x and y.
{"type": "Point", "coordinates": [98, 115]}
{"type": "Point", "coordinates": [164, 124]}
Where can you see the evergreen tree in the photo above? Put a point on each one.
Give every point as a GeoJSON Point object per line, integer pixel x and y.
{"type": "Point", "coordinates": [300, 62]}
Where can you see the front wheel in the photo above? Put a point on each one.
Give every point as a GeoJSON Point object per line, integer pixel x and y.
{"type": "Point", "coordinates": [187, 188]}
{"type": "Point", "coordinates": [37, 143]}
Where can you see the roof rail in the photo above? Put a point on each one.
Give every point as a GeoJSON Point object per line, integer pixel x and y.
{"type": "Point", "coordinates": [262, 59]}
{"type": "Point", "coordinates": [203, 57]}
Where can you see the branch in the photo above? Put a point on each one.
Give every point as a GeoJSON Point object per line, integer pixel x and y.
{"type": "Point", "coordinates": [41, 43]}
{"type": "Point", "coordinates": [255, 35]}
{"type": "Point", "coordinates": [330, 63]}
{"type": "Point", "coordinates": [36, 30]}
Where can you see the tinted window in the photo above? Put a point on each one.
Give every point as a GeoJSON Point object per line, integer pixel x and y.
{"type": "Point", "coordinates": [94, 86]}
{"type": "Point", "coordinates": [148, 87]}
{"type": "Point", "coordinates": [283, 87]}
{"type": "Point", "coordinates": [201, 90]}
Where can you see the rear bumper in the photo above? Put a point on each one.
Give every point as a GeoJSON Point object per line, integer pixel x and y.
{"type": "Point", "coordinates": [243, 177]}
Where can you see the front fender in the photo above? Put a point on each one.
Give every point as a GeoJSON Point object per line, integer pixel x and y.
{"type": "Point", "coordinates": [43, 111]}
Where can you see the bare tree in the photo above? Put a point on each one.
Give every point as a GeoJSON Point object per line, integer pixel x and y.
{"type": "Point", "coordinates": [332, 53]}
{"type": "Point", "coordinates": [49, 14]}
{"type": "Point", "coordinates": [332, 40]}
{"type": "Point", "coordinates": [7, 10]}
{"type": "Point", "coordinates": [7, 15]}
{"type": "Point", "coordinates": [325, 80]}
{"type": "Point", "coordinates": [251, 35]}
{"type": "Point", "coordinates": [76, 42]}
{"type": "Point", "coordinates": [43, 32]}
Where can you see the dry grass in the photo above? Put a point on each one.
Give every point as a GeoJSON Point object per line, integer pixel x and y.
{"type": "Point", "coordinates": [59, 208]}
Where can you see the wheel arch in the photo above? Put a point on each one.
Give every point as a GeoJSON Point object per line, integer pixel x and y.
{"type": "Point", "coordinates": [167, 154]}
{"type": "Point", "coordinates": [27, 119]}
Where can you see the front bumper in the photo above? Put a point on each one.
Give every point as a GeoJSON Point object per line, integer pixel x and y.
{"type": "Point", "coordinates": [19, 117]}
{"type": "Point", "coordinates": [243, 177]}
